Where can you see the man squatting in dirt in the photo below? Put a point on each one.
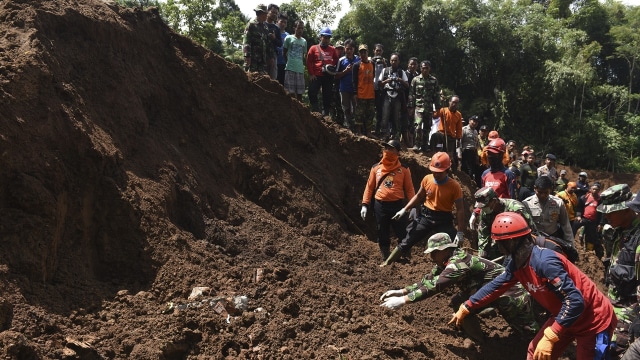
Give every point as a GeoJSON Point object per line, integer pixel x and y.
{"type": "Point", "coordinates": [580, 311]}
{"type": "Point", "coordinates": [454, 266]}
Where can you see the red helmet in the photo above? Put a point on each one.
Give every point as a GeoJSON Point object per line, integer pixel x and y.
{"type": "Point", "coordinates": [496, 146]}
{"type": "Point", "coordinates": [509, 225]}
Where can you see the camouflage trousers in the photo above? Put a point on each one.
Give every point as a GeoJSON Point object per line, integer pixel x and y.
{"type": "Point", "coordinates": [365, 115]}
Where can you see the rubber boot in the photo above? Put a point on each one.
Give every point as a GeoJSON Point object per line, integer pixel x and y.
{"type": "Point", "coordinates": [471, 327]}
{"type": "Point", "coordinates": [395, 254]}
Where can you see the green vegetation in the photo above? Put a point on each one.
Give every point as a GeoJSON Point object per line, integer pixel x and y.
{"type": "Point", "coordinates": [559, 75]}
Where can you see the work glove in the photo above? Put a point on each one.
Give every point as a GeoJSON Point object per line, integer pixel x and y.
{"type": "Point", "coordinates": [399, 214]}
{"type": "Point", "coordinates": [459, 238]}
{"type": "Point", "coordinates": [390, 293]}
{"type": "Point", "coordinates": [393, 302]}
{"type": "Point", "coordinates": [545, 345]}
{"type": "Point", "coordinates": [413, 214]}
{"type": "Point", "coordinates": [472, 222]}
{"type": "Point", "coordinates": [459, 316]}
{"type": "Point", "coordinates": [363, 212]}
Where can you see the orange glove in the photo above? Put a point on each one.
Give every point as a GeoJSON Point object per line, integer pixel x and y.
{"type": "Point", "coordinates": [459, 316]}
{"type": "Point", "coordinates": [545, 345]}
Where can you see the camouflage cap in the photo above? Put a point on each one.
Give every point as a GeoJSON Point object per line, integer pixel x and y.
{"type": "Point", "coordinates": [483, 196]}
{"type": "Point", "coordinates": [339, 44]}
{"type": "Point", "coordinates": [439, 241]}
{"type": "Point", "coordinates": [261, 8]}
{"type": "Point", "coordinates": [614, 198]}
{"type": "Point", "coordinates": [635, 203]}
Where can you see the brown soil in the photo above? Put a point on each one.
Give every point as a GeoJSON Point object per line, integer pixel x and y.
{"type": "Point", "coordinates": [136, 166]}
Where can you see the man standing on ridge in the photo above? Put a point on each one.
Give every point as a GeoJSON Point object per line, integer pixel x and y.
{"type": "Point", "coordinates": [450, 127]}
{"type": "Point", "coordinates": [322, 60]}
{"type": "Point", "coordinates": [255, 42]}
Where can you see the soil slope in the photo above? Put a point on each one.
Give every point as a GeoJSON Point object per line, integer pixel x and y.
{"type": "Point", "coordinates": [137, 166]}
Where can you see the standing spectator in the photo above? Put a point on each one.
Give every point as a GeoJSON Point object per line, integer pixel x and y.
{"type": "Point", "coordinates": [483, 141]}
{"type": "Point", "coordinates": [623, 215]}
{"type": "Point", "coordinates": [282, 62]}
{"type": "Point", "coordinates": [394, 82]}
{"type": "Point", "coordinates": [295, 52]}
{"type": "Point", "coordinates": [582, 184]}
{"type": "Point", "coordinates": [470, 146]}
{"type": "Point", "coordinates": [498, 176]}
{"type": "Point", "coordinates": [528, 176]}
{"type": "Point", "coordinates": [438, 194]}
{"type": "Point", "coordinates": [561, 183]}
{"type": "Point", "coordinates": [321, 77]}
{"type": "Point", "coordinates": [389, 186]}
{"type": "Point", "coordinates": [255, 42]}
{"type": "Point", "coordinates": [548, 211]}
{"type": "Point", "coordinates": [347, 91]}
{"type": "Point", "coordinates": [489, 205]}
{"type": "Point", "coordinates": [337, 115]}
{"type": "Point", "coordinates": [450, 127]}
{"type": "Point", "coordinates": [570, 200]}
{"type": "Point", "coordinates": [275, 38]}
{"type": "Point", "coordinates": [407, 112]}
{"type": "Point", "coordinates": [512, 151]}
{"type": "Point", "coordinates": [424, 97]}
{"type": "Point", "coordinates": [363, 74]}
{"type": "Point", "coordinates": [580, 311]}
{"type": "Point", "coordinates": [454, 266]}
{"type": "Point", "coordinates": [379, 64]}
{"type": "Point", "coordinates": [549, 168]}
{"type": "Point", "coordinates": [588, 216]}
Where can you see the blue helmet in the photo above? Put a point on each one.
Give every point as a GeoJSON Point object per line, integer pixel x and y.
{"type": "Point", "coordinates": [325, 32]}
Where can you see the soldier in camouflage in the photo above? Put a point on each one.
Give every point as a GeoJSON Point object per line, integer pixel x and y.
{"type": "Point", "coordinates": [488, 206]}
{"type": "Point", "coordinates": [424, 97]}
{"type": "Point", "coordinates": [256, 42]}
{"type": "Point", "coordinates": [454, 266]}
{"type": "Point", "coordinates": [622, 215]}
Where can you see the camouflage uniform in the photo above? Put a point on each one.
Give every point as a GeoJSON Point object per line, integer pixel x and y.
{"type": "Point", "coordinates": [470, 273]}
{"type": "Point", "coordinates": [423, 94]}
{"type": "Point", "coordinates": [484, 227]}
{"type": "Point", "coordinates": [625, 247]}
{"type": "Point", "coordinates": [255, 46]}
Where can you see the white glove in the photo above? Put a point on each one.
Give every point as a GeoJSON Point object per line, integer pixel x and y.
{"type": "Point", "coordinates": [413, 214]}
{"type": "Point", "coordinates": [399, 214]}
{"type": "Point", "coordinates": [391, 293]}
{"type": "Point", "coordinates": [363, 212]}
{"type": "Point", "coordinates": [472, 221]}
{"type": "Point", "coordinates": [459, 238]}
{"type": "Point", "coordinates": [393, 302]}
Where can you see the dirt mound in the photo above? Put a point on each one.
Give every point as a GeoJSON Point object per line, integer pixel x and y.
{"type": "Point", "coordinates": [137, 166]}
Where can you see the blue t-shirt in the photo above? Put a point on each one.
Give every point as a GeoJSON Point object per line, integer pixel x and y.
{"type": "Point", "coordinates": [346, 85]}
{"type": "Point", "coordinates": [281, 60]}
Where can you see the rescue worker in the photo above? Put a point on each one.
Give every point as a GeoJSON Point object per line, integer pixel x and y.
{"type": "Point", "coordinates": [488, 205]}
{"type": "Point", "coordinates": [388, 187]}
{"type": "Point", "coordinates": [623, 216]}
{"type": "Point", "coordinates": [438, 194]}
{"type": "Point", "coordinates": [454, 266]}
{"type": "Point", "coordinates": [580, 311]}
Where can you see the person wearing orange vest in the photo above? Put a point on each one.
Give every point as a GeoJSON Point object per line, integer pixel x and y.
{"type": "Point", "coordinates": [450, 128]}
{"type": "Point", "coordinates": [363, 78]}
{"type": "Point", "coordinates": [388, 187]}
{"type": "Point", "coordinates": [437, 196]}
{"type": "Point", "coordinates": [570, 200]}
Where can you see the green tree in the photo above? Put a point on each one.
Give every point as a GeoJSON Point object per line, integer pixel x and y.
{"type": "Point", "coordinates": [195, 19]}
{"type": "Point", "coordinates": [317, 13]}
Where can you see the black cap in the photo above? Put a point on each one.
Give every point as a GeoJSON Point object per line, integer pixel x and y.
{"type": "Point", "coordinates": [394, 144]}
{"type": "Point", "coordinates": [551, 157]}
{"type": "Point", "coordinates": [483, 127]}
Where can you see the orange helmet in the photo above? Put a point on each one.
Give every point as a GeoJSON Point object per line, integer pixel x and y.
{"type": "Point", "coordinates": [509, 225]}
{"type": "Point", "coordinates": [493, 135]}
{"type": "Point", "coordinates": [496, 146]}
{"type": "Point", "coordinates": [440, 162]}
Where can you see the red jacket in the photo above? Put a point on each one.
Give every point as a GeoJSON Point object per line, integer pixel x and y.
{"type": "Point", "coordinates": [315, 60]}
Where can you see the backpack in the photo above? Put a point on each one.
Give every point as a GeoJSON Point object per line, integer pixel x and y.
{"type": "Point", "coordinates": [558, 245]}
